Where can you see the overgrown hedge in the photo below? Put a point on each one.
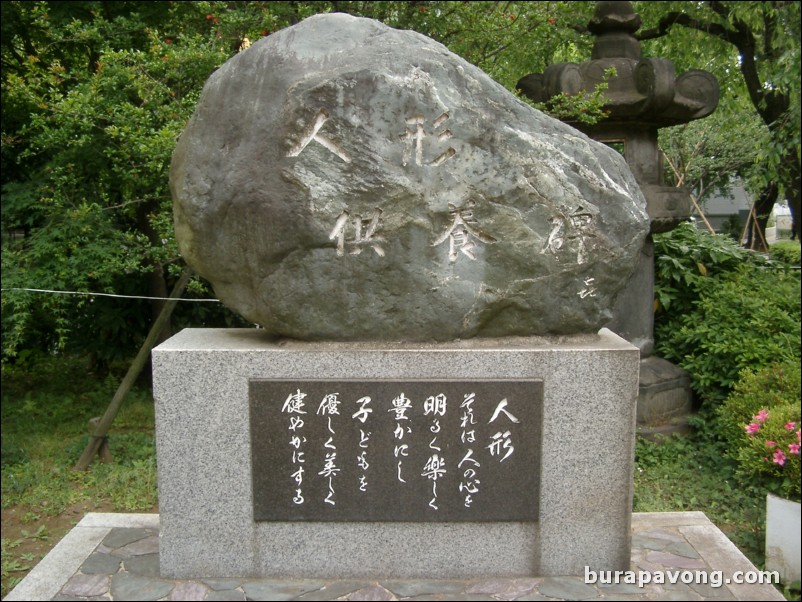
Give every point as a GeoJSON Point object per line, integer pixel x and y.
{"type": "Point", "coordinates": [722, 309]}
{"type": "Point", "coordinates": [786, 251]}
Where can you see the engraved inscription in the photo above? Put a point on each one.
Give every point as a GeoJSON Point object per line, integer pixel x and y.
{"type": "Point", "coordinates": [414, 136]}
{"type": "Point", "coordinates": [395, 450]}
{"type": "Point", "coordinates": [364, 233]}
{"type": "Point", "coordinates": [312, 132]}
{"type": "Point", "coordinates": [462, 235]}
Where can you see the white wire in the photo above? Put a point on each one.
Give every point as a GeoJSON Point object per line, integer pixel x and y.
{"type": "Point", "coordinates": [41, 290]}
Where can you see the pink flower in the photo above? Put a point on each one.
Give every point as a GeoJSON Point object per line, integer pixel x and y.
{"type": "Point", "coordinates": [751, 429]}
{"type": "Point", "coordinates": [779, 457]}
{"type": "Point", "coordinates": [797, 434]}
{"type": "Point", "coordinates": [793, 448]}
{"type": "Point", "coordinates": [761, 416]}
{"type": "Point", "coordinates": [771, 443]}
{"type": "Point", "coordinates": [790, 426]}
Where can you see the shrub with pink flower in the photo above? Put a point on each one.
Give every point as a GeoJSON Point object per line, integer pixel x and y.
{"type": "Point", "coordinates": [760, 422]}
{"type": "Point", "coordinates": [772, 449]}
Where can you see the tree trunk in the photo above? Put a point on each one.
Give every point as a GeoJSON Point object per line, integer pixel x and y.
{"type": "Point", "coordinates": [761, 210]}
{"type": "Point", "coordinates": [793, 194]}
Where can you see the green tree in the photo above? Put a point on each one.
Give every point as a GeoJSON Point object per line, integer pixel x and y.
{"type": "Point", "coordinates": [94, 96]}
{"type": "Point", "coordinates": [754, 50]}
{"type": "Point", "coordinates": [95, 93]}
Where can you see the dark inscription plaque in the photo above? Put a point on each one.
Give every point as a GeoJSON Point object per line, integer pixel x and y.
{"type": "Point", "coordinates": [420, 451]}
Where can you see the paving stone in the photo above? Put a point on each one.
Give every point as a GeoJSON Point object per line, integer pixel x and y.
{"type": "Point", "coordinates": [148, 545]}
{"type": "Point", "coordinates": [120, 537]}
{"type": "Point", "coordinates": [189, 590]}
{"type": "Point", "coordinates": [279, 590]}
{"type": "Point", "coordinates": [86, 585]}
{"type": "Point", "coordinates": [662, 534]}
{"type": "Point", "coordinates": [372, 592]}
{"type": "Point", "coordinates": [706, 590]}
{"type": "Point", "coordinates": [619, 588]}
{"type": "Point", "coordinates": [674, 561]}
{"type": "Point", "coordinates": [103, 564]}
{"type": "Point", "coordinates": [645, 565]}
{"type": "Point", "coordinates": [534, 597]}
{"type": "Point", "coordinates": [225, 595]}
{"type": "Point", "coordinates": [506, 589]}
{"type": "Point", "coordinates": [682, 548]}
{"type": "Point", "coordinates": [125, 586]}
{"type": "Point", "coordinates": [146, 565]}
{"type": "Point", "coordinates": [222, 584]}
{"type": "Point", "coordinates": [334, 590]}
{"type": "Point", "coordinates": [681, 595]}
{"type": "Point", "coordinates": [404, 588]}
{"type": "Point", "coordinates": [567, 588]}
{"type": "Point", "coordinates": [450, 597]}
{"type": "Point", "coordinates": [649, 543]}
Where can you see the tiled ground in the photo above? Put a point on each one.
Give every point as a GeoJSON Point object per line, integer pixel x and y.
{"type": "Point", "coordinates": [116, 557]}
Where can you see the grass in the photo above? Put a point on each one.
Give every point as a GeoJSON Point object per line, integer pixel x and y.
{"type": "Point", "coordinates": [46, 406]}
{"type": "Point", "coordinates": [688, 473]}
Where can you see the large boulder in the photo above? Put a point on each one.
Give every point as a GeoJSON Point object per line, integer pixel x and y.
{"type": "Point", "coordinates": [344, 180]}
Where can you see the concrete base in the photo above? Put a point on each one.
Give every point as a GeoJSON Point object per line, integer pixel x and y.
{"type": "Point", "coordinates": [200, 382]}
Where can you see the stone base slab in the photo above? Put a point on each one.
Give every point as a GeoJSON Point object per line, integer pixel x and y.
{"type": "Point", "coordinates": [200, 382]}
{"type": "Point", "coordinates": [664, 392]}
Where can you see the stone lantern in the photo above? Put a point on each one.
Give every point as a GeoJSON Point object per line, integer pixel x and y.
{"type": "Point", "coordinates": [643, 96]}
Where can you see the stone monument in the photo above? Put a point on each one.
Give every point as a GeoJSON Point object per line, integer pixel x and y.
{"type": "Point", "coordinates": [644, 95]}
{"type": "Point", "coordinates": [430, 261]}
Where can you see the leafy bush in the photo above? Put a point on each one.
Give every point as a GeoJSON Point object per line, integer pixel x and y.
{"type": "Point", "coordinates": [773, 386]}
{"type": "Point", "coordinates": [786, 251]}
{"type": "Point", "coordinates": [750, 319]}
{"type": "Point", "coordinates": [720, 308]}
{"type": "Point", "coordinates": [686, 260]}
{"type": "Point", "coordinates": [760, 421]}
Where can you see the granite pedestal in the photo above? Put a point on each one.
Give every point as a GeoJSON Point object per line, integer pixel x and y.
{"type": "Point", "coordinates": [203, 434]}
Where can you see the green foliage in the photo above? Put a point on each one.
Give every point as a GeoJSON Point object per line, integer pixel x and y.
{"type": "Point", "coordinates": [13, 563]}
{"type": "Point", "coordinates": [787, 252]}
{"type": "Point", "coordinates": [46, 407]}
{"type": "Point", "coordinates": [721, 309]}
{"type": "Point", "coordinates": [584, 107]}
{"type": "Point", "coordinates": [95, 107]}
{"type": "Point", "coordinates": [687, 262]}
{"type": "Point", "coordinates": [764, 407]}
{"type": "Point", "coordinates": [94, 96]}
{"type": "Point", "coordinates": [750, 319]}
{"type": "Point", "coordinates": [706, 155]}
{"type": "Point", "coordinates": [694, 473]}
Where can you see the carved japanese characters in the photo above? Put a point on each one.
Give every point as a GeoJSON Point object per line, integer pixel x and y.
{"type": "Point", "coordinates": [396, 450]}
{"type": "Point", "coordinates": [343, 180]}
